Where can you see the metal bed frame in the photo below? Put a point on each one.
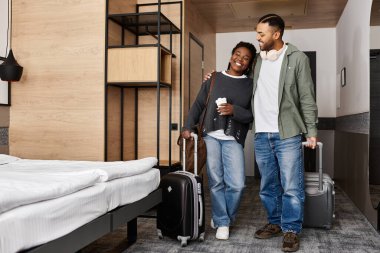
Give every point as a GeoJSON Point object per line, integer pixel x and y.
{"type": "Point", "coordinates": [102, 225]}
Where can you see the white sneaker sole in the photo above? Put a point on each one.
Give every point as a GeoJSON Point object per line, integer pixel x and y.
{"type": "Point", "coordinates": [222, 233]}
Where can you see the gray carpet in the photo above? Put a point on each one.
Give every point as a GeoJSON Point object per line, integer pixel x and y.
{"type": "Point", "coordinates": [351, 232]}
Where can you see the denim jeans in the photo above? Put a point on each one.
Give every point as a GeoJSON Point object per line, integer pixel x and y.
{"type": "Point", "coordinates": [282, 179]}
{"type": "Point", "coordinates": [226, 178]}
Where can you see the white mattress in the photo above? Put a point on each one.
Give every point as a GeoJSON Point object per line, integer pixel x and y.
{"type": "Point", "coordinates": [106, 170]}
{"type": "Point", "coordinates": [130, 189]}
{"type": "Point", "coordinates": [38, 223]}
{"type": "Point", "coordinates": [21, 188]}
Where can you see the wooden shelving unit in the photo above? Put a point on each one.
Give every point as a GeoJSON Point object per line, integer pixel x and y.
{"type": "Point", "coordinates": [140, 66]}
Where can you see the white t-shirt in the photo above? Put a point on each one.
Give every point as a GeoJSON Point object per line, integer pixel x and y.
{"type": "Point", "coordinates": [219, 134]}
{"type": "Point", "coordinates": [266, 106]}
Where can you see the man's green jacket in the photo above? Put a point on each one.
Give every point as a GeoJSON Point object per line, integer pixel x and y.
{"type": "Point", "coordinates": [298, 112]}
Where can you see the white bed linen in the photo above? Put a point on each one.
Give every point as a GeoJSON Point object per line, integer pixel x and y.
{"type": "Point", "coordinates": [127, 190]}
{"type": "Point", "coordinates": [106, 170]}
{"type": "Point", "coordinates": [41, 222]}
{"type": "Point", "coordinates": [38, 223]}
{"type": "Point", "coordinates": [22, 188]}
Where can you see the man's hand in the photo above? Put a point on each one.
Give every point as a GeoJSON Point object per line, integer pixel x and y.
{"type": "Point", "coordinates": [311, 142]}
{"type": "Point", "coordinates": [208, 75]}
{"type": "Point", "coordinates": [225, 109]}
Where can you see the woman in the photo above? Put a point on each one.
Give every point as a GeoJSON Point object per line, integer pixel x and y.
{"type": "Point", "coordinates": [225, 128]}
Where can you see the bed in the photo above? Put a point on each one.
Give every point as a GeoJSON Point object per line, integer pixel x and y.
{"type": "Point", "coordinates": [61, 206]}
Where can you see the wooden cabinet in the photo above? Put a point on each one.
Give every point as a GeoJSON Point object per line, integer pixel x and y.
{"type": "Point", "coordinates": [139, 65]}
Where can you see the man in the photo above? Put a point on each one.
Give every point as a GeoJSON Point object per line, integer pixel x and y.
{"type": "Point", "coordinates": [284, 107]}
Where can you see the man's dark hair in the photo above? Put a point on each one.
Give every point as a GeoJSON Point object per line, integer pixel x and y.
{"type": "Point", "coordinates": [275, 21]}
{"type": "Point", "coordinates": [251, 48]}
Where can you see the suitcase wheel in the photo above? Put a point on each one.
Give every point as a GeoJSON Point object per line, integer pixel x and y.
{"type": "Point", "coordinates": [159, 233]}
{"type": "Point", "coordinates": [183, 240]}
{"type": "Point", "coordinates": [201, 237]}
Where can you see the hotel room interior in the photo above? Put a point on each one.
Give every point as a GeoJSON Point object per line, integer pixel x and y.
{"type": "Point", "coordinates": [106, 86]}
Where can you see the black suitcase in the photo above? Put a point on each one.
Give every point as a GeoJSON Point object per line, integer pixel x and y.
{"type": "Point", "coordinates": [181, 213]}
{"type": "Point", "coordinates": [319, 197]}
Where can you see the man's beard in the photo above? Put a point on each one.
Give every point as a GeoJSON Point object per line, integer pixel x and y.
{"type": "Point", "coordinates": [267, 46]}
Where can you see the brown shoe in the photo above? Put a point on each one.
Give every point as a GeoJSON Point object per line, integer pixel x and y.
{"type": "Point", "coordinates": [268, 231]}
{"type": "Point", "coordinates": [291, 242]}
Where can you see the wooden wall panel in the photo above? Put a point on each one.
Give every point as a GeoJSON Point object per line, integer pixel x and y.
{"type": "Point", "coordinates": [129, 124]}
{"type": "Point", "coordinates": [147, 122]}
{"type": "Point", "coordinates": [195, 72]}
{"type": "Point", "coordinates": [122, 6]}
{"type": "Point", "coordinates": [58, 106]}
{"type": "Point", "coordinates": [113, 124]}
{"type": "Point", "coordinates": [196, 24]}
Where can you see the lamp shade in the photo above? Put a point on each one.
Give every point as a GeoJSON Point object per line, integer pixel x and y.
{"type": "Point", "coordinates": [10, 70]}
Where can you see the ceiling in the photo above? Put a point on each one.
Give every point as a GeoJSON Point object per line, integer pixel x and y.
{"type": "Point", "coordinates": [242, 15]}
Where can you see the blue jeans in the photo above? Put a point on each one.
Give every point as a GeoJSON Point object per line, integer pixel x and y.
{"type": "Point", "coordinates": [282, 179]}
{"type": "Point", "coordinates": [226, 178]}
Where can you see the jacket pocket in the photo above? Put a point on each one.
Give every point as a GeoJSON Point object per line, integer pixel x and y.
{"type": "Point", "coordinates": [290, 77]}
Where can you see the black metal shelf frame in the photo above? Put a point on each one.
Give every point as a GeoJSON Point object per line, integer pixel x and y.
{"type": "Point", "coordinates": [139, 84]}
{"type": "Point", "coordinates": [145, 23]}
{"type": "Point", "coordinates": [154, 24]}
{"type": "Point", "coordinates": [144, 45]}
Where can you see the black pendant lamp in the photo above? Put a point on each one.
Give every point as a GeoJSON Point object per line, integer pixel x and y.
{"type": "Point", "coordinates": [10, 70]}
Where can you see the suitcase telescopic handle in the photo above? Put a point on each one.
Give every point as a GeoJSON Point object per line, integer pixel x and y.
{"type": "Point", "coordinates": [195, 136]}
{"type": "Point", "coordinates": [184, 154]}
{"type": "Point", "coordinates": [320, 172]}
{"type": "Point", "coordinates": [200, 206]}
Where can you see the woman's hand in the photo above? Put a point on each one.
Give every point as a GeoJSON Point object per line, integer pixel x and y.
{"type": "Point", "coordinates": [208, 75]}
{"type": "Point", "coordinates": [186, 134]}
{"type": "Point", "coordinates": [225, 109]}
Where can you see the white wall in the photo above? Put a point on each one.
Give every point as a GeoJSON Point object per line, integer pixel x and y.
{"type": "Point", "coordinates": [323, 41]}
{"type": "Point", "coordinates": [374, 41]}
{"type": "Point", "coordinates": [352, 33]}
{"type": "Point", "coordinates": [3, 43]}
{"type": "Point", "coordinates": [3, 26]}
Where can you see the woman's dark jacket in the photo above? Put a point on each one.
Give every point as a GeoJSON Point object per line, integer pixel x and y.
{"type": "Point", "coordinates": [238, 92]}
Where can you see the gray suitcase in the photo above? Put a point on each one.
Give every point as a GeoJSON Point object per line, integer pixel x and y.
{"type": "Point", "coordinates": [319, 197]}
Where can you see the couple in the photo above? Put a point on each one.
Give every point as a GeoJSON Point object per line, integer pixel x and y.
{"type": "Point", "coordinates": [280, 102]}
